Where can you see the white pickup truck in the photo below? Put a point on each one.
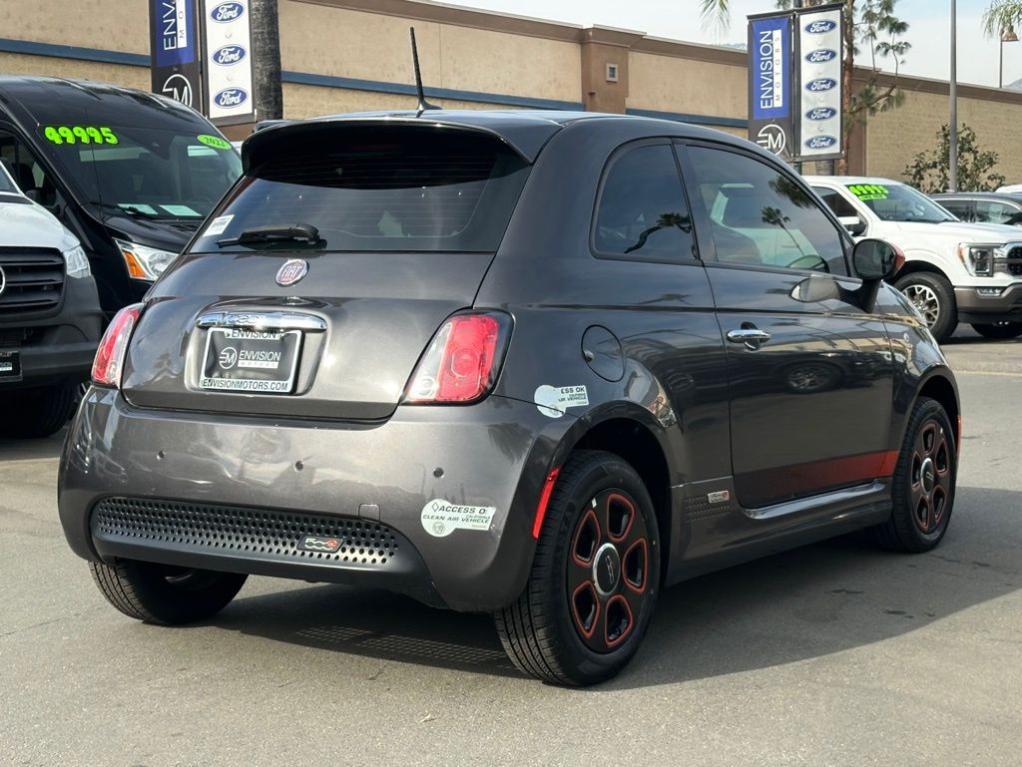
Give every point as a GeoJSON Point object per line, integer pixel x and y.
{"type": "Point", "coordinates": [954, 272]}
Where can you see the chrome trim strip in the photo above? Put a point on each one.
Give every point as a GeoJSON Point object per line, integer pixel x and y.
{"type": "Point", "coordinates": [858, 493]}
{"type": "Point", "coordinates": [309, 323]}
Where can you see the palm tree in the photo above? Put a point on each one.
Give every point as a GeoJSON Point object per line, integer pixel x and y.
{"type": "Point", "coordinates": [1001, 16]}
{"type": "Point", "coordinates": [717, 12]}
{"type": "Point", "coordinates": [269, 103]}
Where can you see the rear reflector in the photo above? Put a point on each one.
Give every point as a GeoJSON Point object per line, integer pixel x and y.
{"type": "Point", "coordinates": [461, 364]}
{"type": "Point", "coordinates": [544, 501]}
{"type": "Point", "coordinates": [106, 368]}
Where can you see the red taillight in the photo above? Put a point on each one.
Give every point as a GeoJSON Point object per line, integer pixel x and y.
{"type": "Point", "coordinates": [544, 501]}
{"type": "Point", "coordinates": [106, 368]}
{"type": "Point", "coordinates": [462, 361]}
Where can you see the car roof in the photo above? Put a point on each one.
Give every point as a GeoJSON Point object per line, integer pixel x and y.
{"type": "Point", "coordinates": [26, 98]}
{"type": "Point", "coordinates": [1012, 196]}
{"type": "Point", "coordinates": [853, 180]}
{"type": "Point", "coordinates": [524, 130]}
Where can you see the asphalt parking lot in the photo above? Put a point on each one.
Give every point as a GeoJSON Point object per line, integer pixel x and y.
{"type": "Point", "coordinates": [837, 654]}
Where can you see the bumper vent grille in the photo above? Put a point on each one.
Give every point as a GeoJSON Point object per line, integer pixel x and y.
{"type": "Point", "coordinates": [245, 533]}
{"type": "Point", "coordinates": [34, 280]}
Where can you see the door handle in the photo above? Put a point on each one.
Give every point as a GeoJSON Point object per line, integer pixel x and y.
{"type": "Point", "coordinates": [753, 338]}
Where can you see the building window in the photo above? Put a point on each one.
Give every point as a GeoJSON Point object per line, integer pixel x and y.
{"type": "Point", "coordinates": [611, 73]}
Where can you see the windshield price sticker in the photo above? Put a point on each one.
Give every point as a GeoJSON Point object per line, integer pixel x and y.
{"type": "Point", "coordinates": [867, 192]}
{"type": "Point", "coordinates": [80, 134]}
{"type": "Point", "coordinates": [214, 141]}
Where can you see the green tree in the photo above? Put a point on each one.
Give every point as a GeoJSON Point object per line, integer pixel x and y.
{"type": "Point", "coordinates": [871, 24]}
{"type": "Point", "coordinates": [1002, 15]}
{"type": "Point", "coordinates": [928, 171]}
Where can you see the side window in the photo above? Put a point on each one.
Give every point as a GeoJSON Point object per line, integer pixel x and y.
{"type": "Point", "coordinates": [993, 212]}
{"type": "Point", "coordinates": [836, 202]}
{"type": "Point", "coordinates": [642, 213]}
{"type": "Point", "coordinates": [760, 216]}
{"type": "Point", "coordinates": [961, 208]}
{"type": "Point", "coordinates": [26, 170]}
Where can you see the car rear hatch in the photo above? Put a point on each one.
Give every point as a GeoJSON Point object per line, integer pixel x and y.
{"type": "Point", "coordinates": [316, 286]}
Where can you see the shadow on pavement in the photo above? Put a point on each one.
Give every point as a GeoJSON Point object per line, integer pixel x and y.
{"type": "Point", "coordinates": [373, 624]}
{"type": "Point", "coordinates": [31, 449]}
{"type": "Point", "coordinates": [803, 604]}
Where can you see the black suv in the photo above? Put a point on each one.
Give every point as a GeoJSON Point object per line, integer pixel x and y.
{"type": "Point", "coordinates": [132, 174]}
{"type": "Point", "coordinates": [535, 364]}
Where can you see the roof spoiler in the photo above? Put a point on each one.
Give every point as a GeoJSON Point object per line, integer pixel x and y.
{"type": "Point", "coordinates": [524, 138]}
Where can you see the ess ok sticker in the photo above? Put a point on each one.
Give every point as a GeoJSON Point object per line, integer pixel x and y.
{"type": "Point", "coordinates": [441, 518]}
{"type": "Point", "coordinates": [553, 400]}
{"type": "Point", "coordinates": [218, 225]}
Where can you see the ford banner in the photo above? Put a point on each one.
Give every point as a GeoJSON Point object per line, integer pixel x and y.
{"type": "Point", "coordinates": [174, 61]}
{"type": "Point", "coordinates": [228, 61]}
{"type": "Point", "coordinates": [771, 91]}
{"type": "Point", "coordinates": [818, 43]}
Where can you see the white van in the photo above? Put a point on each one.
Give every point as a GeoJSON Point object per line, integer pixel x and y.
{"type": "Point", "coordinates": [50, 320]}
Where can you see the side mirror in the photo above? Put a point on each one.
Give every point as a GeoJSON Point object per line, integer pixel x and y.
{"type": "Point", "coordinates": [876, 260]}
{"type": "Point", "coordinates": [854, 225]}
{"type": "Point", "coordinates": [33, 195]}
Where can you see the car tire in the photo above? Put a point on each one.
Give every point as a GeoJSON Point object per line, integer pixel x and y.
{"type": "Point", "coordinates": [162, 594]}
{"type": "Point", "coordinates": [935, 298]}
{"type": "Point", "coordinates": [923, 497]}
{"type": "Point", "coordinates": [999, 330]}
{"type": "Point", "coordinates": [572, 626]}
{"type": "Point", "coordinates": [35, 413]}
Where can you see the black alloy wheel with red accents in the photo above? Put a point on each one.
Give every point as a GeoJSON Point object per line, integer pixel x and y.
{"type": "Point", "coordinates": [608, 570]}
{"type": "Point", "coordinates": [595, 577]}
{"type": "Point", "coordinates": [924, 481]}
{"type": "Point", "coordinates": [930, 476]}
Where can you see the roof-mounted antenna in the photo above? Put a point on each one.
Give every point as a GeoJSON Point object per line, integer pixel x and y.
{"type": "Point", "coordinates": [423, 104]}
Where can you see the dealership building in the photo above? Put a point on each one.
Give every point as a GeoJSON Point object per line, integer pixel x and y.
{"type": "Point", "coordinates": [353, 55]}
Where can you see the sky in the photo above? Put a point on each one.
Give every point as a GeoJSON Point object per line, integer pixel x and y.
{"type": "Point", "coordinates": [929, 29]}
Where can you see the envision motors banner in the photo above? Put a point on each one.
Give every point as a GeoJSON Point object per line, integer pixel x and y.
{"type": "Point", "coordinates": [771, 92]}
{"type": "Point", "coordinates": [780, 92]}
{"type": "Point", "coordinates": [819, 54]}
{"type": "Point", "coordinates": [174, 42]}
{"type": "Point", "coordinates": [228, 61]}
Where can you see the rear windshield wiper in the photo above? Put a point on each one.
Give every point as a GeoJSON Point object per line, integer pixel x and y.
{"type": "Point", "coordinates": [299, 234]}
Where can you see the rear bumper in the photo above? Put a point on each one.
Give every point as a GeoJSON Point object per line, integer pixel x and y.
{"type": "Point", "coordinates": [974, 307]}
{"type": "Point", "coordinates": [349, 479]}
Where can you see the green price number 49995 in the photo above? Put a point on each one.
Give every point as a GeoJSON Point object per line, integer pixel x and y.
{"type": "Point", "coordinates": [80, 134]}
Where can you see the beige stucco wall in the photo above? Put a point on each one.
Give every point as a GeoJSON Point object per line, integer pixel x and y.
{"type": "Point", "coordinates": [18, 64]}
{"type": "Point", "coordinates": [458, 53]}
{"type": "Point", "coordinates": [115, 25]}
{"type": "Point", "coordinates": [373, 46]}
{"type": "Point", "coordinates": [895, 137]}
{"type": "Point", "coordinates": [670, 84]}
{"type": "Point", "coordinates": [310, 101]}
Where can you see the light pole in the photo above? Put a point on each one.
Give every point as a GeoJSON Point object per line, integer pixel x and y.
{"type": "Point", "coordinates": [953, 133]}
{"type": "Point", "coordinates": [1007, 36]}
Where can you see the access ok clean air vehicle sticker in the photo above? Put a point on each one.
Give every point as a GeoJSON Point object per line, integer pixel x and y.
{"type": "Point", "coordinates": [440, 518]}
{"type": "Point", "coordinates": [553, 400]}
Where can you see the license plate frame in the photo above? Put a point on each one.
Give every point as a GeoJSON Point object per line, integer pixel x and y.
{"type": "Point", "coordinates": [10, 365]}
{"type": "Point", "coordinates": [251, 353]}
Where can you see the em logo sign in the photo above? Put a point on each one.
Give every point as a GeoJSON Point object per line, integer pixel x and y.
{"type": "Point", "coordinates": [772, 138]}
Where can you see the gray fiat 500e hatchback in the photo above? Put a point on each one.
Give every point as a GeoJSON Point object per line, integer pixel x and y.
{"type": "Point", "coordinates": [534, 364]}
